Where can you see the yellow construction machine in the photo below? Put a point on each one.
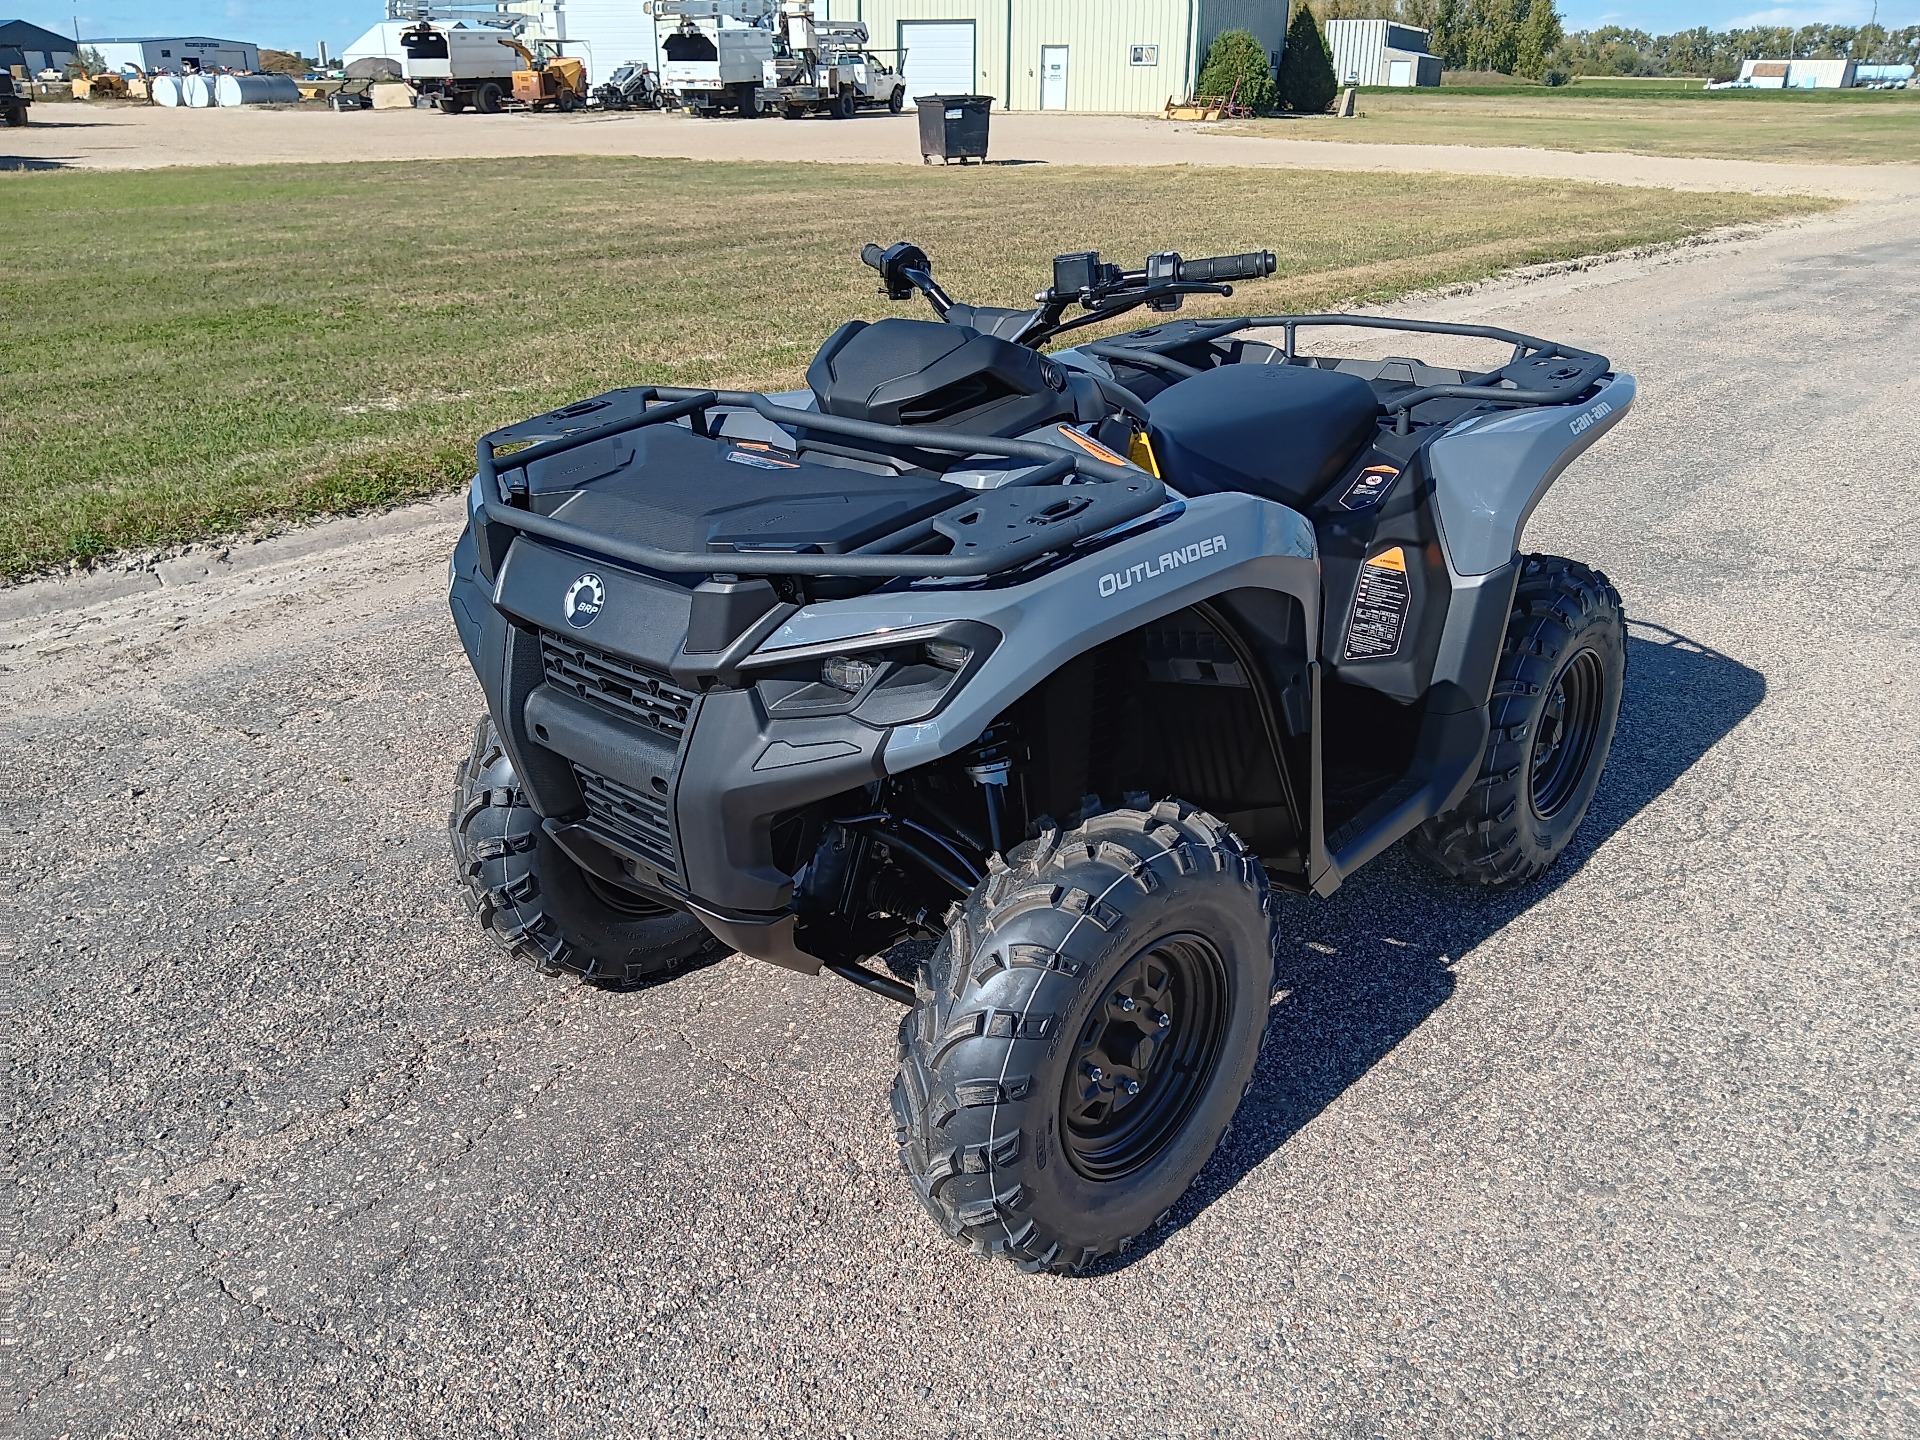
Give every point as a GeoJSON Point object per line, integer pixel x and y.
{"type": "Point", "coordinates": [549, 79]}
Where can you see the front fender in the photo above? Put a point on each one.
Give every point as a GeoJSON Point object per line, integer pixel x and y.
{"type": "Point", "coordinates": [1491, 471]}
{"type": "Point", "coordinates": [1218, 543]}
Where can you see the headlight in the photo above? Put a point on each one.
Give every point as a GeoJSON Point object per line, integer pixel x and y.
{"type": "Point", "coordinates": [948, 654]}
{"type": "Point", "coordinates": [850, 673]}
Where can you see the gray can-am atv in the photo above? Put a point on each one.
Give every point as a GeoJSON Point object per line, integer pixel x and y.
{"type": "Point", "coordinates": [1065, 659]}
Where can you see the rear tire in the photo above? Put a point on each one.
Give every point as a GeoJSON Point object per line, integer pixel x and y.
{"type": "Point", "coordinates": [1136, 951]}
{"type": "Point", "coordinates": [539, 904]}
{"type": "Point", "coordinates": [451, 104]}
{"type": "Point", "coordinates": [488, 99]}
{"type": "Point", "coordinates": [844, 105]}
{"type": "Point", "coordinates": [1555, 705]}
{"type": "Point", "coordinates": [897, 101]}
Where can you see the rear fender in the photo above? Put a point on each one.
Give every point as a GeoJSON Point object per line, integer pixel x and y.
{"type": "Point", "coordinates": [1491, 471]}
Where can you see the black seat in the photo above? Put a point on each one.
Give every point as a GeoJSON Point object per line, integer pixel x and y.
{"type": "Point", "coordinates": [1282, 432]}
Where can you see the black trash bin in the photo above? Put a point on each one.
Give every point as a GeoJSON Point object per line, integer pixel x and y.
{"type": "Point", "coordinates": [953, 127]}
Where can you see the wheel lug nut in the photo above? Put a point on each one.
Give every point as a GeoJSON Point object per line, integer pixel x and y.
{"type": "Point", "coordinates": [1132, 1087]}
{"type": "Point", "coordinates": [1125, 1002]}
{"type": "Point", "coordinates": [1162, 1020]}
{"type": "Point", "coordinates": [1096, 1074]}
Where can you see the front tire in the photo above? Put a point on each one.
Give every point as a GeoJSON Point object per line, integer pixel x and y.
{"type": "Point", "coordinates": [1084, 1033]}
{"type": "Point", "coordinates": [538, 903]}
{"type": "Point", "coordinates": [1555, 705]}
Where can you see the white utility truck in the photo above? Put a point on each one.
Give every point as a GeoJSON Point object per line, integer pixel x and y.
{"type": "Point", "coordinates": [714, 53]}
{"type": "Point", "coordinates": [825, 66]}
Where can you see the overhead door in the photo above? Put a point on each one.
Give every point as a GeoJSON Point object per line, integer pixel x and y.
{"type": "Point", "coordinates": [939, 56]}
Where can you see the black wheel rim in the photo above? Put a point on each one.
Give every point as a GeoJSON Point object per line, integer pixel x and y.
{"type": "Point", "coordinates": [1145, 1057]}
{"type": "Point", "coordinates": [1564, 739]}
{"type": "Point", "coordinates": [628, 902]}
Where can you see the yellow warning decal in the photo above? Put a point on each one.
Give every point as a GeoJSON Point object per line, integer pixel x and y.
{"type": "Point", "coordinates": [1091, 446]}
{"type": "Point", "coordinates": [1394, 559]}
{"type": "Point", "coordinates": [1140, 451]}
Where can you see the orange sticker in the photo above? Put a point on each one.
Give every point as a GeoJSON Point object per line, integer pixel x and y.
{"type": "Point", "coordinates": [1091, 446]}
{"type": "Point", "coordinates": [1394, 559]}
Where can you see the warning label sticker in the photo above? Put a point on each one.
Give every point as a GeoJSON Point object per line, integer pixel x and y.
{"type": "Point", "coordinates": [1379, 607]}
{"type": "Point", "coordinates": [1373, 484]}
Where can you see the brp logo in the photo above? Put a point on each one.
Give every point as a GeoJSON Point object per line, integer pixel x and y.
{"type": "Point", "coordinates": [586, 597]}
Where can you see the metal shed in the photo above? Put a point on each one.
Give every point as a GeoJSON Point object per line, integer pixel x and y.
{"type": "Point", "coordinates": [1381, 52]}
{"type": "Point", "coordinates": [1111, 56]}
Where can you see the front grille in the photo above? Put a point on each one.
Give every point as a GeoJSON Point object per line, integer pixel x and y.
{"type": "Point", "coordinates": [630, 691]}
{"type": "Point", "coordinates": [632, 815]}
{"type": "Point", "coordinates": [639, 817]}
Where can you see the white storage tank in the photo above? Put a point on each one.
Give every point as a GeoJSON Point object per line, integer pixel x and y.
{"type": "Point", "coordinates": [196, 91]}
{"type": "Point", "coordinates": [166, 90]}
{"type": "Point", "coordinates": [256, 90]}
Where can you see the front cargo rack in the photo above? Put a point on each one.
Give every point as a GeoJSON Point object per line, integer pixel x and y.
{"type": "Point", "coordinates": [1032, 515]}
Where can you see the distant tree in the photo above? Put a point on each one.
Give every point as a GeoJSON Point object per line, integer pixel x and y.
{"type": "Point", "coordinates": [1307, 84]}
{"type": "Point", "coordinates": [1238, 64]}
{"type": "Point", "coordinates": [91, 61]}
{"type": "Point", "coordinates": [1539, 37]}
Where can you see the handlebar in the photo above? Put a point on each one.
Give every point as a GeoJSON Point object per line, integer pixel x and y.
{"type": "Point", "coordinates": [1254, 266]}
{"type": "Point", "coordinates": [1082, 278]}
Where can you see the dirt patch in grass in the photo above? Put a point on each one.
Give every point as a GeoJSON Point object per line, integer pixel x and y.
{"type": "Point", "coordinates": [218, 348]}
{"type": "Point", "coordinates": [1843, 127]}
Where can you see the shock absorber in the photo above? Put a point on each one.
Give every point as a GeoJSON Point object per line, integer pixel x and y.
{"type": "Point", "coordinates": [989, 764]}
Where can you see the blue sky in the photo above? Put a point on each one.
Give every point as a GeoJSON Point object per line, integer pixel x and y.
{"type": "Point", "coordinates": [297, 24]}
{"type": "Point", "coordinates": [1664, 19]}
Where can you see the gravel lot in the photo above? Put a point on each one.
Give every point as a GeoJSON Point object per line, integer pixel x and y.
{"type": "Point", "coordinates": [1629, 1153]}
{"type": "Point", "coordinates": [138, 137]}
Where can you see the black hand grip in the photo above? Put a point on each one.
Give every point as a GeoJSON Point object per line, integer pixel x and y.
{"type": "Point", "coordinates": [872, 255]}
{"type": "Point", "coordinates": [1257, 266]}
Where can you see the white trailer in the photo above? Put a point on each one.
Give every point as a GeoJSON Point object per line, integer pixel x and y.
{"type": "Point", "coordinates": [714, 53]}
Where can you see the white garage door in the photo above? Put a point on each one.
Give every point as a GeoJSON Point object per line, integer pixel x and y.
{"type": "Point", "coordinates": [939, 57]}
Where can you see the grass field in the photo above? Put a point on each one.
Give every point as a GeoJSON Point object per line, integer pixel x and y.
{"type": "Point", "coordinates": [1844, 127]}
{"type": "Point", "coordinates": [218, 347]}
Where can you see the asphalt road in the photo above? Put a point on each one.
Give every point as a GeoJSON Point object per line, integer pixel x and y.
{"type": "Point", "coordinates": [1628, 1153]}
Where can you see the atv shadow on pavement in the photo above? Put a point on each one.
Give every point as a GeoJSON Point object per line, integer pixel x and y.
{"type": "Point", "coordinates": [1361, 971]}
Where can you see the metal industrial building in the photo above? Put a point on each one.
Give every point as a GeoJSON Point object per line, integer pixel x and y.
{"type": "Point", "coordinates": [154, 53]}
{"type": "Point", "coordinates": [1117, 56]}
{"type": "Point", "coordinates": [33, 49]}
{"type": "Point", "coordinates": [1381, 52]}
{"type": "Point", "coordinates": [1797, 74]}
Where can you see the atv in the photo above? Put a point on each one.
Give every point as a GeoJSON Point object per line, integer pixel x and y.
{"type": "Point", "coordinates": [1068, 661]}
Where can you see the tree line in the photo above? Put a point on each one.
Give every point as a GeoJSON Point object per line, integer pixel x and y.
{"type": "Point", "coordinates": [1525, 37]}
{"type": "Point", "coordinates": [1614, 50]}
{"type": "Point", "coordinates": [1515, 37]}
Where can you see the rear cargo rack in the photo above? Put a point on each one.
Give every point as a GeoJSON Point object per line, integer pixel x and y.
{"type": "Point", "coordinates": [993, 532]}
{"type": "Point", "coordinates": [1539, 372]}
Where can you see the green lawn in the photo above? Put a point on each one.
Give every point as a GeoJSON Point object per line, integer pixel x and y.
{"type": "Point", "coordinates": [197, 350]}
{"type": "Point", "coordinates": [1846, 127]}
